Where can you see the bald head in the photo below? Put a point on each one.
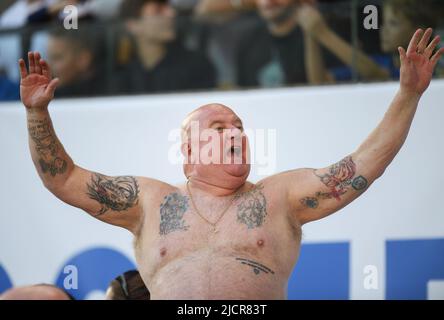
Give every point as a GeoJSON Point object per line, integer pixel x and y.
{"type": "Point", "coordinates": [215, 146]}
{"type": "Point", "coordinates": [35, 292]}
{"type": "Point", "coordinates": [204, 116]}
{"type": "Point", "coordinates": [206, 110]}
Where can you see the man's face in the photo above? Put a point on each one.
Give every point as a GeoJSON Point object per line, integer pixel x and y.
{"type": "Point", "coordinates": [272, 10]}
{"type": "Point", "coordinates": [67, 63]}
{"type": "Point", "coordinates": [223, 147]}
{"type": "Point", "coordinates": [396, 30]}
{"type": "Point", "coordinates": [156, 23]}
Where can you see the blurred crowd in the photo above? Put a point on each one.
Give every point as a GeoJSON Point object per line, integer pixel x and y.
{"type": "Point", "coordinates": [152, 46]}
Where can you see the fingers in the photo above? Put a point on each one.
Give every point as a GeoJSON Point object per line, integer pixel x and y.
{"type": "Point", "coordinates": [38, 68]}
{"type": "Point", "coordinates": [402, 54]}
{"type": "Point", "coordinates": [431, 47]}
{"type": "Point", "coordinates": [36, 65]}
{"type": "Point", "coordinates": [425, 40]}
{"type": "Point", "coordinates": [436, 57]}
{"type": "Point", "coordinates": [413, 45]}
{"type": "Point", "coordinates": [46, 70]}
{"type": "Point", "coordinates": [50, 89]}
{"type": "Point", "coordinates": [23, 71]}
{"type": "Point", "coordinates": [31, 62]}
{"type": "Point", "coordinates": [34, 62]}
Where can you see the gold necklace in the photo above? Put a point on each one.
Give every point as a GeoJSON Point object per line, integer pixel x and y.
{"type": "Point", "coordinates": [213, 224]}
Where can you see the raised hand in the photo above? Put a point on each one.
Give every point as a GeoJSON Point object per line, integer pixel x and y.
{"type": "Point", "coordinates": [419, 62]}
{"type": "Point", "coordinates": [36, 87]}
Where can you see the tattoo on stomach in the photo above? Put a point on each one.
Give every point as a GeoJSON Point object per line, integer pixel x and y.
{"type": "Point", "coordinates": [255, 266]}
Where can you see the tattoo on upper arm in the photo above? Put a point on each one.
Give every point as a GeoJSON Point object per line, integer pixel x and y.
{"type": "Point", "coordinates": [310, 202]}
{"type": "Point", "coordinates": [113, 193]}
{"type": "Point", "coordinates": [338, 180]}
{"type": "Point", "coordinates": [172, 211]}
{"type": "Point", "coordinates": [46, 146]}
{"type": "Point", "coordinates": [256, 266]}
{"type": "Point", "coordinates": [252, 208]}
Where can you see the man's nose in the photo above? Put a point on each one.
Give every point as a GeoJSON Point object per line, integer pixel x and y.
{"type": "Point", "coordinates": [236, 136]}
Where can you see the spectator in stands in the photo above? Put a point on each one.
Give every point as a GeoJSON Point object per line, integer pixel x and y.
{"type": "Point", "coordinates": [273, 53]}
{"type": "Point", "coordinates": [315, 27]}
{"type": "Point", "coordinates": [73, 56]}
{"type": "Point", "coordinates": [400, 19]}
{"type": "Point", "coordinates": [301, 42]}
{"type": "Point", "coordinates": [50, 10]}
{"type": "Point", "coordinates": [221, 36]}
{"type": "Point", "coordinates": [216, 7]}
{"type": "Point", "coordinates": [13, 15]}
{"type": "Point", "coordinates": [161, 62]}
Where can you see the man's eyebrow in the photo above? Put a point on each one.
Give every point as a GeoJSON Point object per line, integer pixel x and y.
{"type": "Point", "coordinates": [214, 122]}
{"type": "Point", "coordinates": [220, 122]}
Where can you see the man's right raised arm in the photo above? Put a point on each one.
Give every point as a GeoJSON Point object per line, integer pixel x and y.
{"type": "Point", "coordinates": [115, 200]}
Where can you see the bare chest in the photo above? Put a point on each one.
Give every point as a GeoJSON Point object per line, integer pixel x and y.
{"type": "Point", "coordinates": [253, 234]}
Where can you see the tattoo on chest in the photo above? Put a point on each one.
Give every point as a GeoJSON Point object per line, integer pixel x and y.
{"type": "Point", "coordinates": [339, 178]}
{"type": "Point", "coordinates": [113, 193]}
{"type": "Point", "coordinates": [172, 211]}
{"type": "Point", "coordinates": [46, 146]}
{"type": "Point", "coordinates": [256, 266]}
{"type": "Point", "coordinates": [252, 207]}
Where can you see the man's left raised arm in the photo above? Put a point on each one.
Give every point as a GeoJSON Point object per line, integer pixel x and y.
{"type": "Point", "coordinates": [317, 193]}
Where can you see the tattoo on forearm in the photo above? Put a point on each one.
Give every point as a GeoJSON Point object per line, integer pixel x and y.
{"type": "Point", "coordinates": [359, 183]}
{"type": "Point", "coordinates": [113, 193]}
{"type": "Point", "coordinates": [252, 207]}
{"type": "Point", "coordinates": [47, 147]}
{"type": "Point", "coordinates": [338, 180]}
{"type": "Point", "coordinates": [256, 266]}
{"type": "Point", "coordinates": [172, 211]}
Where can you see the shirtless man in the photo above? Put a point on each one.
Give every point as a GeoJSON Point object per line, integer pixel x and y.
{"type": "Point", "coordinates": [219, 236]}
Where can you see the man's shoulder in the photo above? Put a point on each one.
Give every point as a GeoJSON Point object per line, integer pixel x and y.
{"type": "Point", "coordinates": [153, 186]}
{"type": "Point", "coordinates": [153, 193]}
{"type": "Point", "coordinates": [294, 175]}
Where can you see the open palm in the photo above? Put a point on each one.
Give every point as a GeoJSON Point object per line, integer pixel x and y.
{"type": "Point", "coordinates": [36, 87]}
{"type": "Point", "coordinates": [418, 64]}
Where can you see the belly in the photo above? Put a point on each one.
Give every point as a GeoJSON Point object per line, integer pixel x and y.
{"type": "Point", "coordinates": [210, 274]}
